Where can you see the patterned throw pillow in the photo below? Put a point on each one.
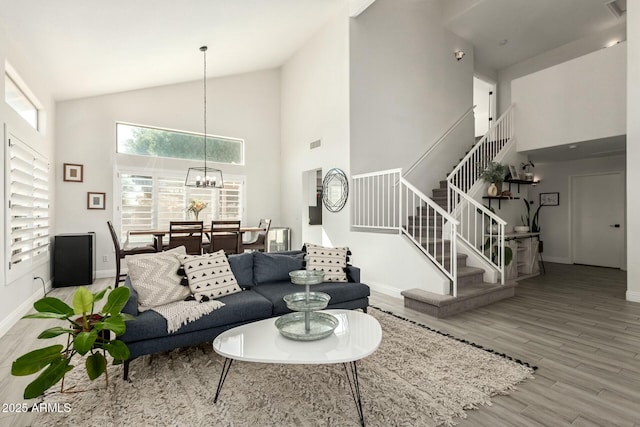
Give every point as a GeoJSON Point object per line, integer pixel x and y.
{"type": "Point", "coordinates": [332, 261]}
{"type": "Point", "coordinates": [209, 275]}
{"type": "Point", "coordinates": [154, 278]}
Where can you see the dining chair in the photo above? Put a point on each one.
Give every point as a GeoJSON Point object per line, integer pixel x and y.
{"type": "Point", "coordinates": [259, 241]}
{"type": "Point", "coordinates": [187, 234]}
{"type": "Point", "coordinates": [225, 235]}
{"type": "Point", "coordinates": [120, 252]}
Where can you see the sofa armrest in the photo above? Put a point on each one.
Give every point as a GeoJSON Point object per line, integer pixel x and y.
{"type": "Point", "coordinates": [353, 274]}
{"type": "Point", "coordinates": [131, 307]}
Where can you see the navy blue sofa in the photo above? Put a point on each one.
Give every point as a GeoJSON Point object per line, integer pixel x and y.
{"type": "Point", "coordinates": [264, 278]}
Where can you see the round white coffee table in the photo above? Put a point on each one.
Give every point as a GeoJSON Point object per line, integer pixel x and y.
{"type": "Point", "coordinates": [357, 336]}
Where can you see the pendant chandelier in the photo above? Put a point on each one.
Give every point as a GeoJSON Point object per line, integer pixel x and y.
{"type": "Point", "coordinates": [204, 177]}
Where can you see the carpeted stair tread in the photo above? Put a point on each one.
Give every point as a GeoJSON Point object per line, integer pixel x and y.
{"type": "Point", "coordinates": [469, 271]}
{"type": "Point", "coordinates": [464, 293]}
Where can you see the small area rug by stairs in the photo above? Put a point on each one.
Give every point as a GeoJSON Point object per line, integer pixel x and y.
{"type": "Point", "coordinates": [418, 377]}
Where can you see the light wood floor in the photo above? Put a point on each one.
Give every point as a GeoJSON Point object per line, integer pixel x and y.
{"type": "Point", "coordinates": [573, 323]}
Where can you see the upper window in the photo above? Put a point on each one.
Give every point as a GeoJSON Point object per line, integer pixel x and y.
{"type": "Point", "coordinates": [20, 102]}
{"type": "Point", "coordinates": [157, 142]}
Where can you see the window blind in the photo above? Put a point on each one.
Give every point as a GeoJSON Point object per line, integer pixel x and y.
{"type": "Point", "coordinates": [151, 200]}
{"type": "Point", "coordinates": [27, 217]}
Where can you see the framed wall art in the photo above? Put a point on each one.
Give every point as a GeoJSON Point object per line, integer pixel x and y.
{"type": "Point", "coordinates": [550, 199]}
{"type": "Point", "coordinates": [513, 170]}
{"type": "Point", "coordinates": [96, 200]}
{"type": "Point", "coordinates": [72, 172]}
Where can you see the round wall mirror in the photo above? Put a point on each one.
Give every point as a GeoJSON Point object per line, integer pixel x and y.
{"type": "Point", "coordinates": [335, 189]}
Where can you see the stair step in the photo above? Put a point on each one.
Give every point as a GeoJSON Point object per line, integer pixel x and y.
{"type": "Point", "coordinates": [469, 297]}
{"type": "Point", "coordinates": [443, 184]}
{"type": "Point", "coordinates": [469, 275]}
{"type": "Point", "coordinates": [439, 192]}
{"type": "Point", "coordinates": [461, 260]}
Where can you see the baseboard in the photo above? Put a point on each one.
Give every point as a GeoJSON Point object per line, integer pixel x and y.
{"type": "Point", "coordinates": [13, 317]}
{"type": "Point", "coordinates": [633, 296]}
{"type": "Point", "coordinates": [385, 289]}
{"type": "Point", "coordinates": [102, 274]}
{"type": "Point", "coordinates": [556, 260]}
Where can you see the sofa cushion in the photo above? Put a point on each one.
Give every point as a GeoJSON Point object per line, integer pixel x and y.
{"type": "Point", "coordinates": [339, 293]}
{"type": "Point", "coordinates": [245, 306]}
{"type": "Point", "coordinates": [242, 267]}
{"type": "Point", "coordinates": [209, 275]}
{"type": "Point", "coordinates": [332, 261]}
{"type": "Point", "coordinates": [154, 278]}
{"type": "Point", "coordinates": [274, 267]}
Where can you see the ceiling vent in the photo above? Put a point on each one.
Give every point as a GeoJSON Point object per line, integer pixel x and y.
{"type": "Point", "coordinates": [617, 7]}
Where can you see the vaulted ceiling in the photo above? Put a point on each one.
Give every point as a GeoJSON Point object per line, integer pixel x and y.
{"type": "Point", "coordinates": [95, 47]}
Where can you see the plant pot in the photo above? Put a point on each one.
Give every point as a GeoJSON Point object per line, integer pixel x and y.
{"type": "Point", "coordinates": [521, 229]}
{"type": "Point", "coordinates": [528, 176]}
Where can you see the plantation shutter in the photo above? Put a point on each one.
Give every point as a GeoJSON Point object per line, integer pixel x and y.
{"type": "Point", "coordinates": [27, 218]}
{"type": "Point", "coordinates": [136, 201]}
{"type": "Point", "coordinates": [230, 199]}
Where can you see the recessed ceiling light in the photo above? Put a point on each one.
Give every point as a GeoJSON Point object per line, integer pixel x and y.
{"type": "Point", "coordinates": [573, 146]}
{"type": "Point", "coordinates": [612, 43]}
{"type": "Point", "coordinates": [503, 42]}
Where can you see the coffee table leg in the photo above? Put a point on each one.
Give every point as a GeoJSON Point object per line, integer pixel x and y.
{"type": "Point", "coordinates": [354, 385]}
{"type": "Point", "coordinates": [223, 376]}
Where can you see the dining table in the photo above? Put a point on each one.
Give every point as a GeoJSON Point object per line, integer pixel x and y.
{"type": "Point", "coordinates": [159, 234]}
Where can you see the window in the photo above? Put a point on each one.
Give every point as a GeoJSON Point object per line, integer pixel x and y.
{"type": "Point", "coordinates": [20, 102]}
{"type": "Point", "coordinates": [27, 218]}
{"type": "Point", "coordinates": [152, 200]}
{"type": "Point", "coordinates": [157, 142]}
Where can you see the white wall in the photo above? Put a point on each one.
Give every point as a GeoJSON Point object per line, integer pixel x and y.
{"type": "Point", "coordinates": [575, 49]}
{"type": "Point", "coordinates": [578, 100]}
{"type": "Point", "coordinates": [633, 150]}
{"type": "Point", "coordinates": [16, 298]}
{"type": "Point", "coordinates": [406, 90]}
{"type": "Point", "coordinates": [555, 221]}
{"type": "Point", "coordinates": [315, 106]}
{"type": "Point", "coordinates": [244, 106]}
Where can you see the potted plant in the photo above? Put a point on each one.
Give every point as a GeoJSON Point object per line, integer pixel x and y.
{"type": "Point", "coordinates": [494, 173]}
{"type": "Point", "coordinates": [88, 333]}
{"type": "Point", "coordinates": [530, 222]}
{"type": "Point", "coordinates": [526, 167]}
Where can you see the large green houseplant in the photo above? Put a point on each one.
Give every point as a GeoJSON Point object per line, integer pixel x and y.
{"type": "Point", "coordinates": [88, 333]}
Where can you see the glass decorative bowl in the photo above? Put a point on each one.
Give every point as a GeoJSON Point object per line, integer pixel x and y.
{"type": "Point", "coordinates": [301, 301]}
{"type": "Point", "coordinates": [306, 277]}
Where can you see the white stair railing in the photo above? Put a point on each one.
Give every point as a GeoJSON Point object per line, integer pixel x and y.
{"type": "Point", "coordinates": [480, 228]}
{"type": "Point", "coordinates": [385, 200]}
{"type": "Point", "coordinates": [484, 151]}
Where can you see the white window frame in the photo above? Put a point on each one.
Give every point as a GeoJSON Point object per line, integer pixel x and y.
{"type": "Point", "coordinates": [27, 224]}
{"type": "Point", "coordinates": [27, 97]}
{"type": "Point", "coordinates": [210, 137]}
{"type": "Point", "coordinates": [206, 215]}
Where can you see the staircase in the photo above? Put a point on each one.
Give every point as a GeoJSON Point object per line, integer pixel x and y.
{"type": "Point", "coordinates": [437, 225]}
{"type": "Point", "coordinates": [472, 290]}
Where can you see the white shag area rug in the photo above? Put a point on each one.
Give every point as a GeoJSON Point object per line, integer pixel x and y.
{"type": "Point", "coordinates": [418, 377]}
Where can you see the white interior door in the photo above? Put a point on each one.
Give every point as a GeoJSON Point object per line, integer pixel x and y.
{"type": "Point", "coordinates": [598, 228]}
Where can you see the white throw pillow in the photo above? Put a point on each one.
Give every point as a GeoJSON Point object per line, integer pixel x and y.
{"type": "Point", "coordinates": [154, 277]}
{"type": "Point", "coordinates": [332, 261]}
{"type": "Point", "coordinates": [209, 275]}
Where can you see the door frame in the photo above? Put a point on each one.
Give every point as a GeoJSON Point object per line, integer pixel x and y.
{"type": "Point", "coordinates": [623, 263]}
